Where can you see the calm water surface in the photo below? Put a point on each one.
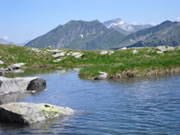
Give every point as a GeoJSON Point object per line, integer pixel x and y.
{"type": "Point", "coordinates": [139, 107]}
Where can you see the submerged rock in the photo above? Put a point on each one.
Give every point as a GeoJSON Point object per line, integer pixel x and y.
{"type": "Point", "coordinates": [19, 84]}
{"type": "Point", "coordinates": [29, 113]}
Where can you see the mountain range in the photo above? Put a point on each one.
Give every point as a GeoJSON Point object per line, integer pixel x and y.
{"type": "Point", "coordinates": [123, 27]}
{"type": "Point", "coordinates": [92, 35]}
{"type": "Point", "coordinates": [79, 35]}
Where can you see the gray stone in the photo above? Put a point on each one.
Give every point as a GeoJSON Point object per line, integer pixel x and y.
{"type": "Point", "coordinates": [19, 84]}
{"type": "Point", "coordinates": [57, 60]}
{"type": "Point", "coordinates": [123, 48]}
{"type": "Point", "coordinates": [30, 113]}
{"type": "Point", "coordinates": [77, 54]}
{"type": "Point", "coordinates": [165, 48]}
{"type": "Point", "coordinates": [16, 66]}
{"type": "Point", "coordinates": [37, 84]}
{"type": "Point", "coordinates": [35, 50]}
{"type": "Point", "coordinates": [135, 51]}
{"type": "Point", "coordinates": [103, 52]}
{"type": "Point", "coordinates": [1, 73]}
{"type": "Point", "coordinates": [54, 51]}
{"type": "Point", "coordinates": [62, 54]}
{"type": "Point", "coordinates": [102, 76]}
{"type": "Point", "coordinates": [1, 62]}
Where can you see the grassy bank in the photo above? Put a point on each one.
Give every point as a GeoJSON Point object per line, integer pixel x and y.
{"type": "Point", "coordinates": [120, 64]}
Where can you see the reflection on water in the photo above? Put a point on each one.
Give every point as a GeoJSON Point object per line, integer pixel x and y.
{"type": "Point", "coordinates": [135, 107]}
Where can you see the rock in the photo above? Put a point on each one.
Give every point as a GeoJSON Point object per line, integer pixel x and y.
{"type": "Point", "coordinates": [159, 52]}
{"type": "Point", "coordinates": [1, 62]}
{"type": "Point", "coordinates": [0, 83]}
{"type": "Point", "coordinates": [165, 48]}
{"type": "Point", "coordinates": [103, 52]}
{"type": "Point", "coordinates": [102, 76]}
{"type": "Point", "coordinates": [15, 66]}
{"type": "Point", "coordinates": [37, 84]}
{"type": "Point", "coordinates": [110, 52]}
{"type": "Point", "coordinates": [57, 60]}
{"type": "Point", "coordinates": [20, 84]}
{"type": "Point", "coordinates": [62, 54]}
{"type": "Point", "coordinates": [124, 48]}
{"type": "Point", "coordinates": [30, 113]}
{"type": "Point", "coordinates": [77, 55]}
{"type": "Point", "coordinates": [106, 52]}
{"type": "Point", "coordinates": [135, 51]}
{"type": "Point", "coordinates": [54, 51]}
{"type": "Point", "coordinates": [35, 50]}
{"type": "Point", "coordinates": [2, 70]}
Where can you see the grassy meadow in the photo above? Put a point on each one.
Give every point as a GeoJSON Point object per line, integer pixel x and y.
{"type": "Point", "coordinates": [120, 64]}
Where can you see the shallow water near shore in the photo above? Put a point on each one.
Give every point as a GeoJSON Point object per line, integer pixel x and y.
{"type": "Point", "coordinates": [135, 107]}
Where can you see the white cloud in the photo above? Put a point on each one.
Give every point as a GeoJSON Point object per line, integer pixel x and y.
{"type": "Point", "coordinates": [177, 18]}
{"type": "Point", "coordinates": [5, 38]}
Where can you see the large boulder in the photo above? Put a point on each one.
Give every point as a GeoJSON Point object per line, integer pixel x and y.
{"type": "Point", "coordinates": [29, 113]}
{"type": "Point", "coordinates": [21, 84]}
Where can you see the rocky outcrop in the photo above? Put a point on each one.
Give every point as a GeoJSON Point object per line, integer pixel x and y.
{"type": "Point", "coordinates": [11, 85]}
{"type": "Point", "coordinates": [29, 113]}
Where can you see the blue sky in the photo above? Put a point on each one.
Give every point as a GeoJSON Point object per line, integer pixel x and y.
{"type": "Point", "coordinates": [23, 20]}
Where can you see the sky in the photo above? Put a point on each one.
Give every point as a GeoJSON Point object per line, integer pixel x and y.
{"type": "Point", "coordinates": [23, 20]}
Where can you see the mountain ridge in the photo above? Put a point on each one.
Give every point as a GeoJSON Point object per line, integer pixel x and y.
{"type": "Point", "coordinates": [77, 35]}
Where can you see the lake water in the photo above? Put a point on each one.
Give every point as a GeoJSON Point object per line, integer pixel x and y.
{"type": "Point", "coordinates": [135, 107]}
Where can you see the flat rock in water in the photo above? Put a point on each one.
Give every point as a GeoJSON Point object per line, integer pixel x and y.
{"type": "Point", "coordinates": [29, 113]}
{"type": "Point", "coordinates": [21, 84]}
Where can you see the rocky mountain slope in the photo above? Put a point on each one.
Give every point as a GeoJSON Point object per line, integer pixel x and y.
{"type": "Point", "coordinates": [166, 33]}
{"type": "Point", "coordinates": [79, 35]}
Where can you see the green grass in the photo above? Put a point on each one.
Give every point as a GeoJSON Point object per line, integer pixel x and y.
{"type": "Point", "coordinates": [145, 63]}
{"type": "Point", "coordinates": [11, 54]}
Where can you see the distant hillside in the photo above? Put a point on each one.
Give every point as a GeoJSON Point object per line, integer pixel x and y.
{"type": "Point", "coordinates": [123, 27]}
{"type": "Point", "coordinates": [166, 33]}
{"type": "Point", "coordinates": [79, 35]}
